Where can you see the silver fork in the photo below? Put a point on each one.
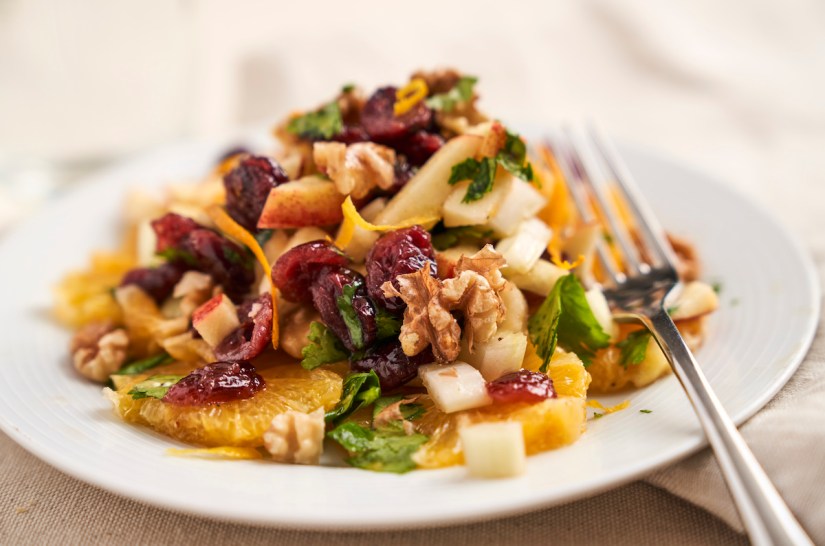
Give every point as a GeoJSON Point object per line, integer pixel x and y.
{"type": "Point", "coordinates": [590, 164]}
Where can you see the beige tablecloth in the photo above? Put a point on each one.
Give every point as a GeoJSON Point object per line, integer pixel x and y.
{"type": "Point", "coordinates": [735, 88]}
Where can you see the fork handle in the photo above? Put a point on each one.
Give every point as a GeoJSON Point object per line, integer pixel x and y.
{"type": "Point", "coordinates": [765, 515]}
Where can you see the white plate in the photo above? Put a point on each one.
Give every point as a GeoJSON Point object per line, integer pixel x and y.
{"type": "Point", "coordinates": [765, 324]}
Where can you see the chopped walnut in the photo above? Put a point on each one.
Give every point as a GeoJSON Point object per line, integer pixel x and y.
{"type": "Point", "coordinates": [688, 265]}
{"type": "Point", "coordinates": [294, 328]}
{"type": "Point", "coordinates": [493, 141]}
{"type": "Point", "coordinates": [193, 289]}
{"type": "Point", "coordinates": [350, 103]}
{"type": "Point", "coordinates": [393, 413]}
{"type": "Point", "coordinates": [295, 437]}
{"type": "Point", "coordinates": [356, 169]}
{"type": "Point", "coordinates": [99, 350]}
{"type": "Point", "coordinates": [428, 319]}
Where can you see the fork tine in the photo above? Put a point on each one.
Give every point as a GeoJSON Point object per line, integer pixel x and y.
{"type": "Point", "coordinates": [598, 185]}
{"type": "Point", "coordinates": [646, 221]}
{"type": "Point", "coordinates": [570, 174]}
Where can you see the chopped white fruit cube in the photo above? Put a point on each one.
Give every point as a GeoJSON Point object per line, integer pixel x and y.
{"type": "Point", "coordinates": [454, 387]}
{"type": "Point", "coordinates": [515, 305]}
{"type": "Point", "coordinates": [540, 279]}
{"type": "Point", "coordinates": [502, 354]}
{"type": "Point", "coordinates": [147, 242]}
{"type": "Point", "coordinates": [601, 310]}
{"type": "Point", "coordinates": [216, 319]}
{"type": "Point", "coordinates": [494, 450]}
{"type": "Point", "coordinates": [695, 299]}
{"type": "Point", "coordinates": [362, 239]}
{"type": "Point", "coordinates": [458, 213]}
{"type": "Point", "coordinates": [305, 235]}
{"type": "Point", "coordinates": [522, 201]}
{"type": "Point", "coordinates": [523, 249]}
{"type": "Point", "coordinates": [275, 245]}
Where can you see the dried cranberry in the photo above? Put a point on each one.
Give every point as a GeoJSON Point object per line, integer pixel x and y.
{"type": "Point", "coordinates": [296, 270]}
{"type": "Point", "coordinates": [521, 386]}
{"type": "Point", "coordinates": [382, 125]}
{"type": "Point", "coordinates": [398, 253]}
{"type": "Point", "coordinates": [227, 263]}
{"type": "Point", "coordinates": [403, 173]}
{"type": "Point", "coordinates": [158, 282]}
{"type": "Point", "coordinates": [170, 229]}
{"type": "Point", "coordinates": [420, 146]}
{"type": "Point", "coordinates": [252, 337]}
{"type": "Point", "coordinates": [216, 383]}
{"type": "Point", "coordinates": [247, 187]}
{"type": "Point", "coordinates": [351, 134]}
{"type": "Point", "coordinates": [350, 316]}
{"type": "Point", "coordinates": [392, 366]}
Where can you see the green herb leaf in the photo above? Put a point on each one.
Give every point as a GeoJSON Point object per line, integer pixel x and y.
{"type": "Point", "coordinates": [513, 157]}
{"type": "Point", "coordinates": [634, 347]}
{"type": "Point", "coordinates": [565, 317]}
{"type": "Point", "coordinates": [388, 325]}
{"type": "Point", "coordinates": [324, 347]}
{"type": "Point", "coordinates": [409, 411]}
{"type": "Point", "coordinates": [263, 236]}
{"type": "Point", "coordinates": [462, 91]}
{"type": "Point", "coordinates": [139, 366]}
{"type": "Point", "coordinates": [348, 88]}
{"type": "Point", "coordinates": [321, 124]}
{"type": "Point", "coordinates": [453, 236]}
{"type": "Point", "coordinates": [717, 286]}
{"type": "Point", "coordinates": [350, 315]}
{"type": "Point", "coordinates": [154, 387]}
{"type": "Point", "coordinates": [360, 390]}
{"type": "Point", "coordinates": [176, 255]}
{"type": "Point", "coordinates": [645, 411]}
{"type": "Point", "coordinates": [383, 450]}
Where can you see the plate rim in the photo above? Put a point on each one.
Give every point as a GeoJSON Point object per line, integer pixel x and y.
{"type": "Point", "coordinates": [523, 504]}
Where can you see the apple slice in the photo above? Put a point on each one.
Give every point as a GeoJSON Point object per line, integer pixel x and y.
{"type": "Point", "coordinates": [502, 354]}
{"type": "Point", "coordinates": [524, 248]}
{"type": "Point", "coordinates": [494, 450]}
{"type": "Point", "coordinates": [309, 201]}
{"type": "Point", "coordinates": [539, 280]}
{"type": "Point", "coordinates": [454, 387]}
{"type": "Point", "coordinates": [458, 213]}
{"type": "Point", "coordinates": [522, 201]}
{"type": "Point", "coordinates": [216, 319]}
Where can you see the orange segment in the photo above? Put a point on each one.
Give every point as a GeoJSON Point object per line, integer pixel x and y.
{"type": "Point", "coordinates": [85, 296]}
{"type": "Point", "coordinates": [233, 424]}
{"type": "Point", "coordinates": [547, 425]}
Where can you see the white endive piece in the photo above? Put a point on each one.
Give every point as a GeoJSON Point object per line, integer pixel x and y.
{"type": "Point", "coordinates": [494, 450]}
{"type": "Point", "coordinates": [500, 355]}
{"type": "Point", "coordinates": [601, 310]}
{"type": "Point", "coordinates": [523, 249]}
{"type": "Point", "coordinates": [521, 202]}
{"type": "Point", "coordinates": [454, 387]}
{"type": "Point", "coordinates": [539, 280]}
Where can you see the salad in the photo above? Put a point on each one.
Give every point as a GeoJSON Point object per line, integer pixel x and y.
{"type": "Point", "coordinates": [400, 279]}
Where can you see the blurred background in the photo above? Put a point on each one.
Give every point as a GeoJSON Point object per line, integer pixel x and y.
{"type": "Point", "coordinates": [735, 88]}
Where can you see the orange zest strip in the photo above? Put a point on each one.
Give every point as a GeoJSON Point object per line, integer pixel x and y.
{"type": "Point", "coordinates": [564, 264]}
{"type": "Point", "coordinates": [236, 453]}
{"type": "Point", "coordinates": [409, 95]}
{"type": "Point", "coordinates": [608, 410]}
{"type": "Point", "coordinates": [352, 220]}
{"type": "Point", "coordinates": [230, 227]}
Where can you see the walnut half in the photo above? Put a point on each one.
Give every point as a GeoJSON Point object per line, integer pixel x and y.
{"type": "Point", "coordinates": [99, 350]}
{"type": "Point", "coordinates": [295, 437]}
{"type": "Point", "coordinates": [356, 169]}
{"type": "Point", "coordinates": [474, 291]}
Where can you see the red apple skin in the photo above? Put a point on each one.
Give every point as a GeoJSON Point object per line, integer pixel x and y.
{"type": "Point", "coordinates": [310, 201]}
{"type": "Point", "coordinates": [206, 308]}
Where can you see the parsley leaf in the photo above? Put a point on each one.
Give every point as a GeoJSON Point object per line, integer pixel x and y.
{"type": "Point", "coordinates": [645, 411]}
{"type": "Point", "coordinates": [321, 124]}
{"type": "Point", "coordinates": [462, 91]}
{"type": "Point", "coordinates": [565, 318]}
{"type": "Point", "coordinates": [172, 254]}
{"type": "Point", "coordinates": [360, 390]}
{"type": "Point", "coordinates": [139, 366]}
{"type": "Point", "coordinates": [452, 236]}
{"type": "Point", "coordinates": [482, 172]}
{"type": "Point", "coordinates": [350, 315]}
{"type": "Point", "coordinates": [634, 347]}
{"type": "Point", "coordinates": [383, 450]}
{"type": "Point", "coordinates": [324, 347]}
{"type": "Point", "coordinates": [348, 88]}
{"type": "Point", "coordinates": [154, 387]}
{"type": "Point", "coordinates": [388, 325]}
{"type": "Point", "coordinates": [263, 236]}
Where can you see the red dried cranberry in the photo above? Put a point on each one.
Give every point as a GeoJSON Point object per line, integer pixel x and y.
{"type": "Point", "coordinates": [158, 282]}
{"type": "Point", "coordinates": [420, 146]}
{"type": "Point", "coordinates": [351, 134]}
{"type": "Point", "coordinates": [392, 366]}
{"type": "Point", "coordinates": [227, 263]}
{"type": "Point", "coordinates": [403, 172]}
{"type": "Point", "coordinates": [350, 316]}
{"type": "Point", "coordinates": [254, 333]}
{"type": "Point", "coordinates": [521, 386]}
{"type": "Point", "coordinates": [170, 229]}
{"type": "Point", "coordinates": [247, 188]}
{"type": "Point", "coordinates": [398, 253]}
{"type": "Point", "coordinates": [296, 269]}
{"type": "Point", "coordinates": [216, 383]}
{"type": "Point", "coordinates": [382, 125]}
